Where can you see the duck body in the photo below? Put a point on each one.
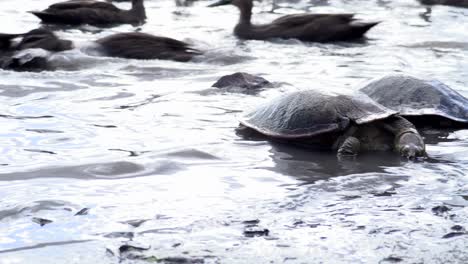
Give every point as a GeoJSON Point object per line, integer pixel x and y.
{"type": "Point", "coordinates": [137, 45]}
{"type": "Point", "coordinates": [305, 27]}
{"type": "Point", "coordinates": [80, 12]}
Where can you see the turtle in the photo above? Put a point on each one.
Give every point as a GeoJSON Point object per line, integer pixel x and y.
{"type": "Point", "coordinates": [426, 103]}
{"type": "Point", "coordinates": [348, 123]}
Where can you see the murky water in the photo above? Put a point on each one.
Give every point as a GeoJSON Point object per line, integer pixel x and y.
{"type": "Point", "coordinates": [150, 149]}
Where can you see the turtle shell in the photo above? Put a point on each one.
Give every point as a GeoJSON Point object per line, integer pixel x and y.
{"type": "Point", "coordinates": [414, 97]}
{"type": "Point", "coordinates": [310, 113]}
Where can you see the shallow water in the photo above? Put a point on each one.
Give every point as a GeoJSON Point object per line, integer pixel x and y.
{"type": "Point", "coordinates": [150, 149]}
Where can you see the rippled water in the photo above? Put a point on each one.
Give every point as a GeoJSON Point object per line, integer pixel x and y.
{"type": "Point", "coordinates": [150, 149]}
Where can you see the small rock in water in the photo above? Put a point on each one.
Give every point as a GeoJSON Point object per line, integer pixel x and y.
{"type": "Point", "coordinates": [242, 80]}
{"type": "Point", "coordinates": [41, 221]}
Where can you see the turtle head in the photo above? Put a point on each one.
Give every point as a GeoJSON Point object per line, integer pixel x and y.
{"type": "Point", "coordinates": [410, 145]}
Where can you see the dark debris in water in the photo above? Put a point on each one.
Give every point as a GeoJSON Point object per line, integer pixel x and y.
{"type": "Point", "coordinates": [128, 235]}
{"type": "Point", "coordinates": [457, 228]}
{"type": "Point", "coordinates": [152, 99]}
{"type": "Point", "coordinates": [132, 153]}
{"type": "Point", "coordinates": [454, 234]}
{"type": "Point", "coordinates": [127, 248]}
{"type": "Point", "coordinates": [253, 231]}
{"type": "Point", "coordinates": [251, 222]}
{"type": "Point", "coordinates": [41, 151]}
{"type": "Point", "coordinates": [136, 222]}
{"type": "Point", "coordinates": [384, 193]}
{"type": "Point", "coordinates": [351, 197]}
{"type": "Point", "coordinates": [24, 117]}
{"type": "Point", "coordinates": [169, 260]}
{"type": "Point", "coordinates": [83, 211]}
{"type": "Point", "coordinates": [104, 126]}
{"type": "Point", "coordinates": [440, 210]}
{"type": "Point", "coordinates": [181, 260]}
{"type": "Point", "coordinates": [251, 228]}
{"type": "Point", "coordinates": [391, 259]}
{"type": "Point", "coordinates": [41, 221]}
{"type": "Point", "coordinates": [45, 131]}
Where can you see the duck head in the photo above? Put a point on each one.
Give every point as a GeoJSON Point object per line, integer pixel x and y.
{"type": "Point", "coordinates": [245, 7]}
{"type": "Point", "coordinates": [44, 39]}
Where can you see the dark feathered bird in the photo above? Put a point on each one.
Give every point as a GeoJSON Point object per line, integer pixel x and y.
{"type": "Point", "coordinates": [459, 3]}
{"type": "Point", "coordinates": [6, 40]}
{"type": "Point", "coordinates": [43, 39]}
{"type": "Point", "coordinates": [306, 27]}
{"type": "Point", "coordinates": [138, 45]}
{"type": "Point", "coordinates": [12, 57]}
{"type": "Point", "coordinates": [79, 12]}
{"type": "Point", "coordinates": [35, 39]}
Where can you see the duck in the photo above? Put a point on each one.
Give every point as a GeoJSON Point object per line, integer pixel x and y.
{"type": "Point", "coordinates": [457, 3]}
{"type": "Point", "coordinates": [6, 41]}
{"type": "Point", "coordinates": [32, 51]}
{"type": "Point", "coordinates": [305, 27]}
{"type": "Point", "coordinates": [96, 13]}
{"type": "Point", "coordinates": [39, 38]}
{"type": "Point", "coordinates": [43, 39]}
{"type": "Point", "coordinates": [138, 45]}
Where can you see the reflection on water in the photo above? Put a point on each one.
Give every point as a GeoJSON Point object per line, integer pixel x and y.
{"type": "Point", "coordinates": [311, 166]}
{"type": "Point", "coordinates": [147, 150]}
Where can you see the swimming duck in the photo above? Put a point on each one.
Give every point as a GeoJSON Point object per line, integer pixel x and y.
{"type": "Point", "coordinates": [43, 39]}
{"type": "Point", "coordinates": [39, 38]}
{"type": "Point", "coordinates": [459, 3]}
{"type": "Point", "coordinates": [306, 27]}
{"type": "Point", "coordinates": [32, 51]}
{"type": "Point", "coordinates": [137, 45]}
{"type": "Point", "coordinates": [79, 12]}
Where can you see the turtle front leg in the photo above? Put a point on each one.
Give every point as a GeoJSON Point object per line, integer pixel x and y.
{"type": "Point", "coordinates": [349, 147]}
{"type": "Point", "coordinates": [408, 142]}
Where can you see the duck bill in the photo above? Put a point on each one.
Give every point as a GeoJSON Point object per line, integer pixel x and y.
{"type": "Point", "coordinates": [221, 3]}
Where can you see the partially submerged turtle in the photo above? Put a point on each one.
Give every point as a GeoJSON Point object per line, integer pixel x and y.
{"type": "Point", "coordinates": [425, 103]}
{"type": "Point", "coordinates": [348, 124]}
